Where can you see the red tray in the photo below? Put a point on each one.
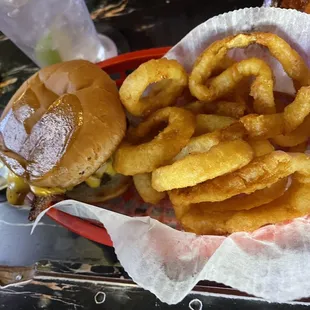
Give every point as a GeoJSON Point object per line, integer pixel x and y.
{"type": "Point", "coordinates": [118, 67]}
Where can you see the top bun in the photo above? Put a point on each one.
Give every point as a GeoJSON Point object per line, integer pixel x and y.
{"type": "Point", "coordinates": [62, 124]}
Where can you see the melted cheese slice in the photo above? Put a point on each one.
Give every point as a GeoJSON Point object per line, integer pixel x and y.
{"type": "Point", "coordinates": [94, 180]}
{"type": "Point", "coordinates": [42, 191]}
{"type": "Point", "coordinates": [18, 188]}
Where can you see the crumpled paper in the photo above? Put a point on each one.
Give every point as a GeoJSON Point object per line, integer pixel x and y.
{"type": "Point", "coordinates": [272, 262]}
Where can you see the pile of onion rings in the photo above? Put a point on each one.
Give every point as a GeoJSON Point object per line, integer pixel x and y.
{"type": "Point", "coordinates": [173, 80]}
{"type": "Point", "coordinates": [231, 159]}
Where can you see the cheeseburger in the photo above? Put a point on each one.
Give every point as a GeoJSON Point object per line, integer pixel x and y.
{"type": "Point", "coordinates": [58, 133]}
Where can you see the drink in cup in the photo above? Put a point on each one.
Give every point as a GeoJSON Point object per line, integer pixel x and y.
{"type": "Point", "coordinates": [51, 31]}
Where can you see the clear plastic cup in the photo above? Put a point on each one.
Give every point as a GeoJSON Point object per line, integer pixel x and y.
{"type": "Point", "coordinates": [51, 31]}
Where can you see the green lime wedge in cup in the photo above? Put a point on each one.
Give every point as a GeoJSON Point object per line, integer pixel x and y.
{"type": "Point", "coordinates": [44, 52]}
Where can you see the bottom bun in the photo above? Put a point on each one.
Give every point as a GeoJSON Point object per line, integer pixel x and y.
{"type": "Point", "coordinates": [114, 187]}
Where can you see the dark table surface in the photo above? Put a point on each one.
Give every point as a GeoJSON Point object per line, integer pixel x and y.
{"type": "Point", "coordinates": [133, 25]}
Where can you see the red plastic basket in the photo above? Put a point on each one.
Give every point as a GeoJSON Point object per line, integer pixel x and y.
{"type": "Point", "coordinates": [118, 68]}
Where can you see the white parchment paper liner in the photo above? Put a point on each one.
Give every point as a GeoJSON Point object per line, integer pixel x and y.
{"type": "Point", "coordinates": [273, 262]}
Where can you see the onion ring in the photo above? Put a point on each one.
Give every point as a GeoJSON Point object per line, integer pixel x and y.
{"type": "Point", "coordinates": [261, 88]}
{"type": "Point", "coordinates": [223, 108]}
{"type": "Point", "coordinates": [144, 187]}
{"type": "Point", "coordinates": [290, 140]}
{"type": "Point", "coordinates": [299, 135]}
{"type": "Point", "coordinates": [292, 204]}
{"type": "Point", "coordinates": [296, 112]}
{"type": "Point", "coordinates": [199, 107]}
{"type": "Point", "coordinates": [204, 142]}
{"type": "Point", "coordinates": [261, 147]}
{"type": "Point", "coordinates": [301, 148]}
{"type": "Point", "coordinates": [246, 202]}
{"type": "Point", "coordinates": [195, 168]}
{"type": "Point", "coordinates": [263, 126]}
{"type": "Point", "coordinates": [232, 109]}
{"type": "Point", "coordinates": [292, 63]}
{"type": "Point", "coordinates": [202, 222]}
{"type": "Point", "coordinates": [153, 71]}
{"type": "Point", "coordinates": [293, 121]}
{"type": "Point", "coordinates": [260, 173]}
{"type": "Point", "coordinates": [134, 156]}
{"type": "Point", "coordinates": [210, 122]}
{"type": "Point", "coordinates": [210, 218]}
